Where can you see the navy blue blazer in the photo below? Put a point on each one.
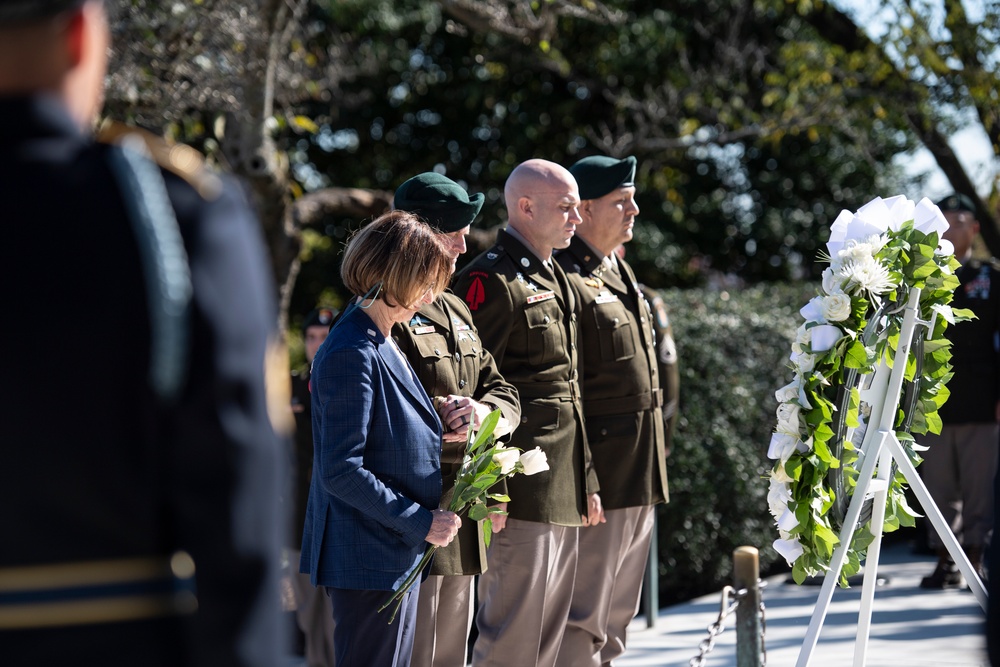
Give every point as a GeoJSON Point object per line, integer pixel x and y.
{"type": "Point", "coordinates": [376, 462]}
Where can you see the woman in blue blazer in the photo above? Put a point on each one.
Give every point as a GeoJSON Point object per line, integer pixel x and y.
{"type": "Point", "coordinates": [376, 484]}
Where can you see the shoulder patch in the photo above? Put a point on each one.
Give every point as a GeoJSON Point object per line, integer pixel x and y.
{"type": "Point", "coordinates": [476, 294]}
{"type": "Point", "coordinates": [179, 159]}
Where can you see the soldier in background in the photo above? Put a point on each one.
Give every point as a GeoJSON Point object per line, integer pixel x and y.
{"type": "Point", "coordinates": [622, 408]}
{"type": "Point", "coordinates": [459, 374]}
{"type": "Point", "coordinates": [312, 604]}
{"type": "Point", "coordinates": [666, 358]}
{"type": "Point", "coordinates": [959, 466]}
{"type": "Point", "coordinates": [140, 502]}
{"type": "Point", "coordinates": [527, 318]}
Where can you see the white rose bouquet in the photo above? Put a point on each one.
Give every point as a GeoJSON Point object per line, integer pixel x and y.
{"type": "Point", "coordinates": [486, 463]}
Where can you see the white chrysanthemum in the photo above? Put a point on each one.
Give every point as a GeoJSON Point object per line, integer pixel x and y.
{"type": "Point", "coordinates": [855, 251]}
{"type": "Point", "coordinates": [867, 276]}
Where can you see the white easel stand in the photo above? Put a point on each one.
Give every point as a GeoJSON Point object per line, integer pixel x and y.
{"type": "Point", "coordinates": [881, 447]}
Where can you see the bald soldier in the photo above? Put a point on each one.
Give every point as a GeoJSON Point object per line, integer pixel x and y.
{"type": "Point", "coordinates": [452, 364]}
{"type": "Point", "coordinates": [622, 407]}
{"type": "Point", "coordinates": [526, 315]}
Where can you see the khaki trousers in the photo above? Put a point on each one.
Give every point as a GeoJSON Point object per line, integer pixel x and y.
{"type": "Point", "coordinates": [444, 619]}
{"type": "Point", "coordinates": [314, 614]}
{"type": "Point", "coordinates": [525, 595]}
{"type": "Point", "coordinates": [608, 587]}
{"type": "Point", "coordinates": [958, 470]}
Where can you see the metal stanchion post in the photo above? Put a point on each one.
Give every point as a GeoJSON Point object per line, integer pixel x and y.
{"type": "Point", "coordinates": [651, 582]}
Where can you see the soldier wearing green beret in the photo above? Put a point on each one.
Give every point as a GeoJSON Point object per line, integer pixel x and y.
{"type": "Point", "coordinates": [445, 350]}
{"type": "Point", "coordinates": [527, 317]}
{"type": "Point", "coordinates": [623, 411]}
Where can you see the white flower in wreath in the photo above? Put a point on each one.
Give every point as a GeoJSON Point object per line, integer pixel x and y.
{"type": "Point", "coordinates": [855, 251]}
{"type": "Point", "coordinates": [850, 226]}
{"type": "Point", "coordinates": [788, 418]}
{"type": "Point", "coordinates": [836, 307]}
{"type": "Point", "coordinates": [803, 339]}
{"type": "Point", "coordinates": [804, 363]}
{"type": "Point", "coordinates": [779, 474]}
{"type": "Point", "coordinates": [778, 495]}
{"type": "Point", "coordinates": [833, 281]}
{"type": "Point", "coordinates": [793, 391]}
{"type": "Point", "coordinates": [787, 521]}
{"type": "Point", "coordinates": [782, 446]}
{"type": "Point", "coordinates": [868, 276]}
{"type": "Point", "coordinates": [789, 549]}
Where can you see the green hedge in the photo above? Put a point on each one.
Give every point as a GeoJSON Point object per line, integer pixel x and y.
{"type": "Point", "coordinates": [733, 352]}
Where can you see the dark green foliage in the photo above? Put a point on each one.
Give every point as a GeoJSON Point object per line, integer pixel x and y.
{"type": "Point", "coordinates": [733, 351]}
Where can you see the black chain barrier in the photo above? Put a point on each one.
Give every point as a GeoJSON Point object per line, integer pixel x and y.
{"type": "Point", "coordinates": [727, 607]}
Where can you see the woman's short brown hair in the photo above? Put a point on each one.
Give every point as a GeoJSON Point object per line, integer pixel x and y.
{"type": "Point", "coordinates": [398, 250]}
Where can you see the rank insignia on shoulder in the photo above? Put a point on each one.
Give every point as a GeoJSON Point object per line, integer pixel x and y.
{"type": "Point", "coordinates": [606, 297]}
{"type": "Point", "coordinates": [544, 296]}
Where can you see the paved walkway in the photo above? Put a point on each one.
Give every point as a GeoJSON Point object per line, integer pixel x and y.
{"type": "Point", "coordinates": [910, 627]}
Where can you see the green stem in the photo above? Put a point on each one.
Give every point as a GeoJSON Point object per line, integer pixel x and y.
{"type": "Point", "coordinates": [397, 595]}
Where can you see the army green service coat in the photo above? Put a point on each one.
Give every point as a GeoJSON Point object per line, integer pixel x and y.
{"type": "Point", "coordinates": [526, 316]}
{"type": "Point", "coordinates": [622, 398]}
{"type": "Point", "coordinates": [443, 347]}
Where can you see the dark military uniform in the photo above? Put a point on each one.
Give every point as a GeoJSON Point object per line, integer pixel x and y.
{"type": "Point", "coordinates": [959, 465]}
{"type": "Point", "coordinates": [526, 315]}
{"type": "Point", "coordinates": [106, 478]}
{"type": "Point", "coordinates": [621, 386]}
{"type": "Point", "coordinates": [666, 359]}
{"type": "Point", "coordinates": [444, 349]}
{"type": "Point", "coordinates": [622, 406]}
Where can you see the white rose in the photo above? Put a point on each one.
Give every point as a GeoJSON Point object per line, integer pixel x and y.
{"type": "Point", "coordinates": [787, 393]}
{"type": "Point", "coordinates": [788, 418]}
{"type": "Point", "coordinates": [789, 549]}
{"type": "Point", "coordinates": [778, 495]}
{"type": "Point", "coordinates": [534, 461]}
{"type": "Point", "coordinates": [803, 337]}
{"type": "Point", "coordinates": [836, 307]}
{"type": "Point", "coordinates": [779, 474]}
{"type": "Point", "coordinates": [803, 363]}
{"type": "Point", "coordinates": [782, 446]}
{"type": "Point", "coordinates": [506, 459]}
{"type": "Point", "coordinates": [833, 282]}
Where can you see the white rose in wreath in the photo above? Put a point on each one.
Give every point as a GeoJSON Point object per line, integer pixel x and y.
{"type": "Point", "coordinates": [836, 307]}
{"type": "Point", "coordinates": [788, 418]}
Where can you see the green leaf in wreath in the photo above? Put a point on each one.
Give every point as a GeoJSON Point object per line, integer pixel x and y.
{"type": "Point", "coordinates": [858, 356]}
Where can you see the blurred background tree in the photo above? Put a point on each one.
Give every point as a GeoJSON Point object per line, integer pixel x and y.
{"type": "Point", "coordinates": [754, 124]}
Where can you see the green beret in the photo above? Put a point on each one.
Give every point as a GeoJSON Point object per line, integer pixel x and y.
{"type": "Point", "coordinates": [957, 202]}
{"type": "Point", "coordinates": [439, 201]}
{"type": "Point", "coordinates": [16, 11]}
{"type": "Point", "coordinates": [598, 175]}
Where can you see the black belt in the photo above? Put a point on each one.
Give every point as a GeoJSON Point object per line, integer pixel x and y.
{"type": "Point", "coordinates": [604, 407]}
{"type": "Point", "coordinates": [87, 592]}
{"type": "Point", "coordinates": [561, 389]}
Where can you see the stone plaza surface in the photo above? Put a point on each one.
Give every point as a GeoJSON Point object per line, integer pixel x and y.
{"type": "Point", "coordinates": [910, 627]}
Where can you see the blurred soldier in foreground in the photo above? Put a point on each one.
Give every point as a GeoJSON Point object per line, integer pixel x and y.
{"type": "Point", "coordinates": [312, 604]}
{"type": "Point", "coordinates": [140, 499]}
{"type": "Point", "coordinates": [622, 408]}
